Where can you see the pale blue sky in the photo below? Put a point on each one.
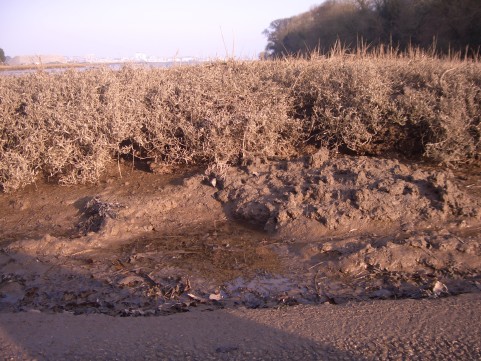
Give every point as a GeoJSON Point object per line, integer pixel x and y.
{"type": "Point", "coordinates": [120, 28]}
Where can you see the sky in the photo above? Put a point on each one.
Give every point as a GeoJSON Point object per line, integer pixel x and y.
{"type": "Point", "coordinates": [121, 28]}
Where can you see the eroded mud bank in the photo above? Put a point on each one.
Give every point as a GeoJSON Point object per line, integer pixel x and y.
{"type": "Point", "coordinates": [323, 228]}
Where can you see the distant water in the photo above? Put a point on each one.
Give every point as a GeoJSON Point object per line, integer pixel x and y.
{"type": "Point", "coordinates": [114, 66]}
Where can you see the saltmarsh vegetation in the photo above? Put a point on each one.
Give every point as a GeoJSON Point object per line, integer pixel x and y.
{"type": "Point", "coordinates": [68, 126]}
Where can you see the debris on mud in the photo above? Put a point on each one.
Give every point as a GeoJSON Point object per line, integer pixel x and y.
{"type": "Point", "coordinates": [96, 215]}
{"type": "Point", "coordinates": [416, 265]}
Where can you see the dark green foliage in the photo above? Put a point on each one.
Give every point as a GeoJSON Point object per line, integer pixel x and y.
{"type": "Point", "coordinates": [443, 25]}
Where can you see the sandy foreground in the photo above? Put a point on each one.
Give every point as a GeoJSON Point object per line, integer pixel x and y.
{"type": "Point", "coordinates": [441, 329]}
{"type": "Point", "coordinates": [321, 257]}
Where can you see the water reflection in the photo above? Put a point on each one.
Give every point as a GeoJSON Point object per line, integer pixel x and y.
{"type": "Point", "coordinates": [113, 66]}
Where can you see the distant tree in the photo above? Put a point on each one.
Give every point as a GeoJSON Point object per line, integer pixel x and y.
{"type": "Point", "coordinates": [449, 25]}
{"type": "Point", "coordinates": [455, 23]}
{"type": "Point", "coordinates": [2, 56]}
{"type": "Point", "coordinates": [320, 28]}
{"type": "Point", "coordinates": [275, 37]}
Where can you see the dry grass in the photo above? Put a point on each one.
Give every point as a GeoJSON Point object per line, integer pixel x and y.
{"type": "Point", "coordinates": [68, 126]}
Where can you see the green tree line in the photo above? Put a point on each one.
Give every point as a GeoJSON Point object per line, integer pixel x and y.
{"type": "Point", "coordinates": [447, 24]}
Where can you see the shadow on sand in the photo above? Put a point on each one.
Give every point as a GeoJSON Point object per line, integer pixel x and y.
{"type": "Point", "coordinates": [28, 333]}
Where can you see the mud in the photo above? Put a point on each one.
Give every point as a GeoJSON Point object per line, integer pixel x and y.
{"type": "Point", "coordinates": [326, 195]}
{"type": "Point", "coordinates": [323, 228]}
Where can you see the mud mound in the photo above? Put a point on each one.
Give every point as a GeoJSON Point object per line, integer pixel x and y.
{"type": "Point", "coordinates": [330, 195]}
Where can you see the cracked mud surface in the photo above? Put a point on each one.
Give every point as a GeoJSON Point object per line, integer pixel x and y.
{"type": "Point", "coordinates": [320, 229]}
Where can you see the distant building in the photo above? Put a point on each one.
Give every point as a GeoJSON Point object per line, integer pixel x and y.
{"type": "Point", "coordinates": [140, 57]}
{"type": "Point", "coordinates": [90, 58]}
{"type": "Point", "coordinates": [76, 59]}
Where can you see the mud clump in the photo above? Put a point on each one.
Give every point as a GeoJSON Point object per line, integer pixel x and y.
{"type": "Point", "coordinates": [339, 194]}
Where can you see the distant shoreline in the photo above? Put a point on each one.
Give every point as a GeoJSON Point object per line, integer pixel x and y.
{"type": "Point", "coordinates": [112, 64]}
{"type": "Point", "coordinates": [50, 66]}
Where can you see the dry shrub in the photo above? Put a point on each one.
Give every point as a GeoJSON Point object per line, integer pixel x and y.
{"type": "Point", "coordinates": [222, 111]}
{"type": "Point", "coordinates": [448, 108]}
{"type": "Point", "coordinates": [347, 103]}
{"type": "Point", "coordinates": [417, 107]}
{"type": "Point", "coordinates": [68, 126]}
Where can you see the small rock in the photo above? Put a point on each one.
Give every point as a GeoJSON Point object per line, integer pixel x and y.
{"type": "Point", "coordinates": [213, 181]}
{"type": "Point", "coordinates": [440, 288]}
{"type": "Point", "coordinates": [217, 296]}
